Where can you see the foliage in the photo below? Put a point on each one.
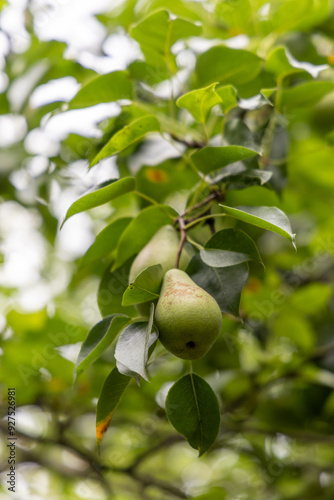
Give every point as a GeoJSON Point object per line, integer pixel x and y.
{"type": "Point", "coordinates": [219, 121]}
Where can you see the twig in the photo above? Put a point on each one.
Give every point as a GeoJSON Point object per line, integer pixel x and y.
{"type": "Point", "coordinates": [311, 437]}
{"type": "Point", "coordinates": [182, 241]}
{"type": "Point", "coordinates": [99, 468]}
{"type": "Point", "coordinates": [322, 351]}
{"type": "Point", "coordinates": [189, 144]}
{"type": "Point", "coordinates": [145, 197]}
{"type": "Point", "coordinates": [211, 197]}
{"type": "Point", "coordinates": [146, 480]}
{"type": "Point", "coordinates": [151, 451]}
{"type": "Point", "coordinates": [196, 220]}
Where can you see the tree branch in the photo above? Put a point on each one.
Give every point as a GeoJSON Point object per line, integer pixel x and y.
{"type": "Point", "coordinates": [189, 144]}
{"type": "Point", "coordinates": [182, 241]}
{"type": "Point", "coordinates": [146, 480]}
{"type": "Point", "coordinates": [151, 451]}
{"type": "Point", "coordinates": [211, 197]}
{"type": "Point", "coordinates": [95, 465]}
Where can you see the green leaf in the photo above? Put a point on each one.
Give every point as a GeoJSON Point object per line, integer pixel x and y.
{"type": "Point", "coordinates": [240, 171]}
{"type": "Point", "coordinates": [110, 293]}
{"type": "Point", "coordinates": [279, 64]}
{"type": "Point", "coordinates": [227, 66]}
{"type": "Point", "coordinates": [98, 339]}
{"type": "Point", "coordinates": [128, 135]}
{"type": "Point", "coordinates": [305, 95]}
{"type": "Point", "coordinates": [229, 97]}
{"type": "Point", "coordinates": [237, 133]}
{"type": "Point", "coordinates": [295, 327]}
{"type": "Point", "coordinates": [225, 284]}
{"type": "Point", "coordinates": [141, 230]}
{"type": "Point", "coordinates": [311, 299]}
{"type": "Point", "coordinates": [145, 287]}
{"type": "Point", "coordinates": [238, 16]}
{"type": "Point", "coordinates": [192, 408]}
{"type": "Point", "coordinates": [132, 348]}
{"type": "Point", "coordinates": [268, 93]}
{"type": "Point", "coordinates": [229, 247]}
{"type": "Point", "coordinates": [289, 15]}
{"type": "Point", "coordinates": [112, 391]}
{"type": "Point", "coordinates": [211, 158]}
{"type": "Point", "coordinates": [163, 179]}
{"type": "Point", "coordinates": [105, 241]}
{"type": "Point", "coordinates": [228, 171]}
{"type": "Point", "coordinates": [215, 493]}
{"type": "Point", "coordinates": [157, 33]}
{"type": "Point", "coordinates": [147, 73]}
{"type": "Point", "coordinates": [116, 188]}
{"type": "Point", "coordinates": [200, 102]}
{"type": "Point", "coordinates": [263, 175]}
{"type": "Point", "coordinates": [104, 88]}
{"type": "Point", "coordinates": [270, 218]}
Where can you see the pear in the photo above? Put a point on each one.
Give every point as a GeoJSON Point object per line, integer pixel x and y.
{"type": "Point", "coordinates": [161, 249]}
{"type": "Point", "coordinates": [187, 317]}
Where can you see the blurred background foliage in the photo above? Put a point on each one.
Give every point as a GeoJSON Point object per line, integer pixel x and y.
{"type": "Point", "coordinates": [273, 373]}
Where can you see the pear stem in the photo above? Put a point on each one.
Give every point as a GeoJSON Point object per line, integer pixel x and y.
{"type": "Point", "coordinates": [182, 240]}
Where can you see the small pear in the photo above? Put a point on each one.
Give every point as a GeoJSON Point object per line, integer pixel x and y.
{"type": "Point", "coordinates": [161, 249]}
{"type": "Point", "coordinates": [187, 317]}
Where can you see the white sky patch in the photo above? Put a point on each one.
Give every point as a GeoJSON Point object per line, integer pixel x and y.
{"type": "Point", "coordinates": [186, 59]}
{"type": "Point", "coordinates": [25, 254]}
{"type": "Point", "coordinates": [4, 42]}
{"type": "Point", "coordinates": [264, 12]}
{"type": "Point", "coordinates": [32, 420]}
{"type": "Point", "coordinates": [84, 179]}
{"type": "Point", "coordinates": [100, 64]}
{"type": "Point", "coordinates": [37, 165]}
{"type": "Point", "coordinates": [21, 88]}
{"type": "Point", "coordinates": [75, 237]}
{"type": "Point", "coordinates": [251, 103]}
{"type": "Point", "coordinates": [237, 42]}
{"type": "Point", "coordinates": [122, 49]}
{"type": "Point", "coordinates": [12, 129]}
{"type": "Point", "coordinates": [199, 45]}
{"type": "Point", "coordinates": [62, 89]}
{"type": "Point", "coordinates": [310, 68]}
{"type": "Point", "coordinates": [39, 142]}
{"type": "Point", "coordinates": [70, 21]}
{"type": "Point", "coordinates": [4, 81]}
{"type": "Point", "coordinates": [20, 179]}
{"type": "Point", "coordinates": [22, 245]}
{"type": "Point", "coordinates": [12, 22]}
{"type": "Point", "coordinates": [80, 121]}
{"type": "Point", "coordinates": [35, 297]}
{"type": "Point", "coordinates": [70, 351]}
{"type": "Point", "coordinates": [155, 150]}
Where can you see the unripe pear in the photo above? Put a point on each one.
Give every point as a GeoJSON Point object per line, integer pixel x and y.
{"type": "Point", "coordinates": [187, 317]}
{"type": "Point", "coordinates": [161, 249]}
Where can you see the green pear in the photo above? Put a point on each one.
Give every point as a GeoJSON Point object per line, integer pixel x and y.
{"type": "Point", "coordinates": [161, 249]}
{"type": "Point", "coordinates": [187, 317]}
